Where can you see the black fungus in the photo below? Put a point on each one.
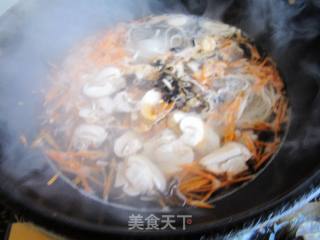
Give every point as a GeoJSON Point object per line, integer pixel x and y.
{"type": "Point", "coordinates": [159, 64]}
{"type": "Point", "coordinates": [176, 49]}
{"type": "Point", "coordinates": [251, 165]}
{"type": "Point", "coordinates": [283, 127]}
{"type": "Point", "coordinates": [266, 136]}
{"type": "Point", "coordinates": [169, 87]}
{"type": "Point", "coordinates": [246, 50]}
{"type": "Point", "coordinates": [193, 42]}
{"type": "Point", "coordinates": [261, 51]}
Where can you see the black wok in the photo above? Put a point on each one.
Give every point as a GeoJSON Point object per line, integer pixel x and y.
{"type": "Point", "coordinates": [34, 35]}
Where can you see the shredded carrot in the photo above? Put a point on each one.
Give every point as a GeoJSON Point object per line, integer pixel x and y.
{"type": "Point", "coordinates": [76, 180]}
{"type": "Point", "coordinates": [110, 49]}
{"type": "Point", "coordinates": [202, 75]}
{"type": "Point", "coordinates": [90, 155]}
{"type": "Point", "coordinates": [50, 140]}
{"type": "Point", "coordinates": [249, 143]}
{"type": "Point", "coordinates": [196, 169]}
{"type": "Point", "coordinates": [85, 184]}
{"type": "Point", "coordinates": [193, 185]}
{"type": "Point", "coordinates": [200, 204]}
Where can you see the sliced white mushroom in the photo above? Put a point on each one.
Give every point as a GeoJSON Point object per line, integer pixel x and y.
{"type": "Point", "coordinates": [151, 97]}
{"type": "Point", "coordinates": [231, 158]}
{"type": "Point", "coordinates": [193, 130]}
{"type": "Point", "coordinates": [89, 115]}
{"type": "Point", "coordinates": [106, 104]}
{"type": "Point", "coordinates": [175, 118]}
{"type": "Point", "coordinates": [139, 176]}
{"type": "Point", "coordinates": [150, 103]}
{"type": "Point", "coordinates": [87, 135]}
{"type": "Point", "coordinates": [123, 103]}
{"type": "Point", "coordinates": [110, 72]}
{"type": "Point", "coordinates": [210, 142]}
{"type": "Point", "coordinates": [171, 156]}
{"type": "Point", "coordinates": [164, 137]}
{"type": "Point", "coordinates": [105, 83]}
{"type": "Point", "coordinates": [127, 144]}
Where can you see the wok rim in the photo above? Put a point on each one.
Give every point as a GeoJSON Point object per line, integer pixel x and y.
{"type": "Point", "coordinates": [45, 218]}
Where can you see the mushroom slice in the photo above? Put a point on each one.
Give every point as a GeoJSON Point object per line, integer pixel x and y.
{"type": "Point", "coordinates": [105, 83]}
{"type": "Point", "coordinates": [197, 134]}
{"type": "Point", "coordinates": [106, 104]}
{"type": "Point", "coordinates": [172, 155]}
{"type": "Point", "coordinates": [141, 177]}
{"type": "Point", "coordinates": [123, 103]}
{"type": "Point", "coordinates": [127, 144]}
{"type": "Point", "coordinates": [90, 115]}
{"type": "Point", "coordinates": [164, 137]}
{"type": "Point", "coordinates": [231, 159]}
{"type": "Point", "coordinates": [87, 135]}
{"type": "Point", "coordinates": [210, 142]}
{"type": "Point", "coordinates": [192, 128]}
{"type": "Point", "coordinates": [152, 107]}
{"type": "Point", "coordinates": [175, 118]}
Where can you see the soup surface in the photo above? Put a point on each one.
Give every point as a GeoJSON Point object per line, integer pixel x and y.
{"type": "Point", "coordinates": [170, 109]}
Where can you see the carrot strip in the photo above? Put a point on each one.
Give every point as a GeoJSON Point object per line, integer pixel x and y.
{"type": "Point", "coordinates": [85, 184]}
{"type": "Point", "coordinates": [193, 196]}
{"type": "Point", "coordinates": [49, 139]}
{"type": "Point", "coordinates": [249, 143]}
{"type": "Point", "coordinates": [190, 186]}
{"type": "Point", "coordinates": [193, 168]}
{"type": "Point", "coordinates": [280, 115]}
{"type": "Point", "coordinates": [199, 204]}
{"type": "Point", "coordinates": [89, 155]}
